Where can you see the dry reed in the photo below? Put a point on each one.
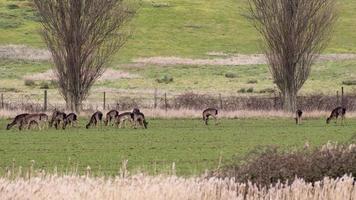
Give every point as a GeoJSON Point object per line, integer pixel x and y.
{"type": "Point", "coordinates": [168, 187]}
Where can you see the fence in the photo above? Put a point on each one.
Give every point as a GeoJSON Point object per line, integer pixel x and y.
{"type": "Point", "coordinates": [162, 100]}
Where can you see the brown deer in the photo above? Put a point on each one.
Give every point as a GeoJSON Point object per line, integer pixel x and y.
{"type": "Point", "coordinates": [110, 117]}
{"type": "Point", "coordinates": [210, 112]}
{"type": "Point", "coordinates": [139, 119]}
{"type": "Point", "coordinates": [16, 121]}
{"type": "Point", "coordinates": [57, 118]}
{"type": "Point", "coordinates": [298, 116]}
{"type": "Point", "coordinates": [338, 111]}
{"type": "Point", "coordinates": [71, 119]}
{"type": "Point", "coordinates": [122, 118]}
{"type": "Point", "coordinates": [96, 118]}
{"type": "Point", "coordinates": [33, 119]}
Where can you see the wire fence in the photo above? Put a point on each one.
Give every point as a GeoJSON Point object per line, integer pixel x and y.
{"type": "Point", "coordinates": [107, 100]}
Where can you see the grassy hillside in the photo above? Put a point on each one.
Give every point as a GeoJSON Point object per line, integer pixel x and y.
{"type": "Point", "coordinates": [177, 28]}
{"type": "Point", "coordinates": [187, 142]}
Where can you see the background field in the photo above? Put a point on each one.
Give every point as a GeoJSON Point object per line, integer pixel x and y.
{"type": "Point", "coordinates": [187, 142]}
{"type": "Point", "coordinates": [185, 29]}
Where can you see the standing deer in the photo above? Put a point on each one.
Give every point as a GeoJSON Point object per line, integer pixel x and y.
{"type": "Point", "coordinates": [96, 118]}
{"type": "Point", "coordinates": [298, 116]}
{"type": "Point", "coordinates": [16, 121]}
{"type": "Point", "coordinates": [71, 119]}
{"type": "Point", "coordinates": [210, 112]}
{"type": "Point", "coordinates": [339, 111]}
{"type": "Point", "coordinates": [139, 119]}
{"type": "Point", "coordinates": [111, 116]}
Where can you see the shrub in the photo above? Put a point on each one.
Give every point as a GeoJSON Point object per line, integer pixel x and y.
{"type": "Point", "coordinates": [268, 166]}
{"type": "Point", "coordinates": [165, 79]}
{"type": "Point", "coordinates": [12, 6]}
{"type": "Point", "coordinates": [44, 85]}
{"type": "Point", "coordinates": [30, 83]}
{"type": "Point", "coordinates": [252, 81]}
{"type": "Point", "coordinates": [242, 90]}
{"type": "Point", "coordinates": [267, 90]}
{"type": "Point", "coordinates": [230, 75]}
{"type": "Point", "coordinates": [349, 82]}
{"type": "Point", "coordinates": [249, 90]}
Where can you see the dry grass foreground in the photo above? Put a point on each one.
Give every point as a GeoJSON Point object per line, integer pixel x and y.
{"type": "Point", "coordinates": [169, 187]}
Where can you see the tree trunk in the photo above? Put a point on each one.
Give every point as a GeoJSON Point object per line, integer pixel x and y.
{"type": "Point", "coordinates": [290, 101]}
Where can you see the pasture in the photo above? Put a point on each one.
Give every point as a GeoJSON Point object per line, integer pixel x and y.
{"type": "Point", "coordinates": [188, 143]}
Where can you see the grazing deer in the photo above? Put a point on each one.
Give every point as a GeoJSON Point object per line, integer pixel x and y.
{"type": "Point", "coordinates": [213, 112]}
{"type": "Point", "coordinates": [16, 121]}
{"type": "Point", "coordinates": [339, 111]}
{"type": "Point", "coordinates": [139, 118]}
{"type": "Point", "coordinates": [57, 118]}
{"type": "Point", "coordinates": [71, 119]}
{"type": "Point", "coordinates": [111, 116]}
{"type": "Point", "coordinates": [298, 116]}
{"type": "Point", "coordinates": [33, 119]}
{"type": "Point", "coordinates": [96, 118]}
{"type": "Point", "coordinates": [122, 118]}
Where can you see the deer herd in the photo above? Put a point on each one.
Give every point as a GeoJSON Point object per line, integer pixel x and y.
{"type": "Point", "coordinates": [135, 118]}
{"type": "Point", "coordinates": [62, 120]}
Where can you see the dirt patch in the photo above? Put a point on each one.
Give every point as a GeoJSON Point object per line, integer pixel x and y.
{"type": "Point", "coordinates": [109, 74]}
{"type": "Point", "coordinates": [219, 58]}
{"type": "Point", "coordinates": [230, 60]}
{"type": "Point", "coordinates": [23, 53]}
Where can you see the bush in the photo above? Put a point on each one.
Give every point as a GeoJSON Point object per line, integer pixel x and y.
{"type": "Point", "coordinates": [165, 79]}
{"type": "Point", "coordinates": [44, 85]}
{"type": "Point", "coordinates": [252, 81]}
{"type": "Point", "coordinates": [12, 6]}
{"type": "Point", "coordinates": [30, 83]}
{"type": "Point", "coordinates": [249, 90]}
{"type": "Point", "coordinates": [268, 166]}
{"type": "Point", "coordinates": [267, 90]}
{"type": "Point", "coordinates": [230, 75]}
{"type": "Point", "coordinates": [242, 90]}
{"type": "Point", "coordinates": [349, 82]}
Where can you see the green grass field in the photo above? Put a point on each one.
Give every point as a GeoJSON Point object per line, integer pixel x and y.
{"type": "Point", "coordinates": [187, 142]}
{"type": "Point", "coordinates": [187, 29]}
{"type": "Point", "coordinates": [177, 28]}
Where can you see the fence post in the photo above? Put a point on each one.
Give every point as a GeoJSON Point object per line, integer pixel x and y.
{"type": "Point", "coordinates": [337, 98]}
{"type": "Point", "coordinates": [45, 101]}
{"type": "Point", "coordinates": [104, 101]}
{"type": "Point", "coordinates": [165, 101]}
{"type": "Point", "coordinates": [155, 99]}
{"type": "Point", "coordinates": [2, 101]}
{"type": "Point", "coordinates": [342, 96]}
{"type": "Point", "coordinates": [221, 102]}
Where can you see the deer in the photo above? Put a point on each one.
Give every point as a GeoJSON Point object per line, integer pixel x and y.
{"type": "Point", "coordinates": [16, 121]}
{"type": "Point", "coordinates": [33, 119]}
{"type": "Point", "coordinates": [96, 118]}
{"type": "Point", "coordinates": [122, 118]}
{"type": "Point", "coordinates": [139, 118]}
{"type": "Point", "coordinates": [298, 116]}
{"type": "Point", "coordinates": [71, 119]}
{"type": "Point", "coordinates": [338, 111]}
{"type": "Point", "coordinates": [110, 117]}
{"type": "Point", "coordinates": [210, 112]}
{"type": "Point", "coordinates": [57, 118]}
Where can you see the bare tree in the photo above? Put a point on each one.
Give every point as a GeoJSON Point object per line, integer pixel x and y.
{"type": "Point", "coordinates": [295, 32]}
{"type": "Point", "coordinates": [82, 36]}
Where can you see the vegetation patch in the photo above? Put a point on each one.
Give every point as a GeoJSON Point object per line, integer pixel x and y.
{"type": "Point", "coordinates": [271, 165]}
